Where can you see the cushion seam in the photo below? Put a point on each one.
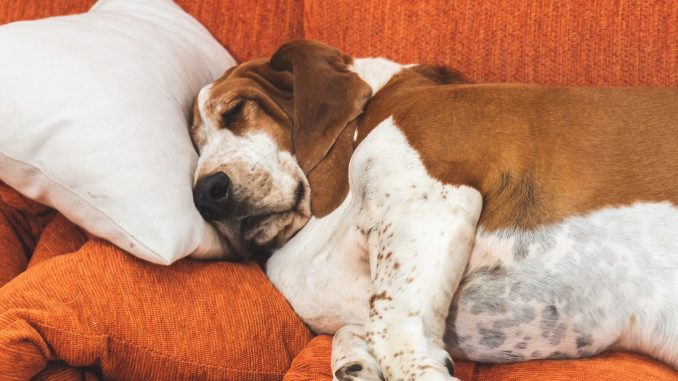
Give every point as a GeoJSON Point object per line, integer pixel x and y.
{"type": "Point", "coordinates": [153, 352]}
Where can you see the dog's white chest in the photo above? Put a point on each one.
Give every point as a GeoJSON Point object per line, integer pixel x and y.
{"type": "Point", "coordinates": [324, 271]}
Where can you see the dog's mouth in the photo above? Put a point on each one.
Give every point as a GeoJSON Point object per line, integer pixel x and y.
{"type": "Point", "coordinates": [261, 233]}
{"type": "Point", "coordinates": [255, 220]}
{"type": "Point", "coordinates": [273, 229]}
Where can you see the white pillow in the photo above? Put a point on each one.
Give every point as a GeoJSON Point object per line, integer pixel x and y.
{"type": "Point", "coordinates": [94, 113]}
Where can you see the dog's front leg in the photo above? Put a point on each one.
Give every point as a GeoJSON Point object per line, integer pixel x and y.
{"type": "Point", "coordinates": [418, 246]}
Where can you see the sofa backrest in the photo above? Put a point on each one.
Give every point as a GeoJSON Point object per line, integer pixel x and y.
{"type": "Point", "coordinates": [574, 42]}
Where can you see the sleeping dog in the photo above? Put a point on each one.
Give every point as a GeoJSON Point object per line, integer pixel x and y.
{"type": "Point", "coordinates": [417, 216]}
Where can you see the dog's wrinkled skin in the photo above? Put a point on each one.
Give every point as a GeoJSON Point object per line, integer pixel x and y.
{"type": "Point", "coordinates": [269, 191]}
{"type": "Point", "coordinates": [446, 232]}
{"type": "Point", "coordinates": [253, 125]}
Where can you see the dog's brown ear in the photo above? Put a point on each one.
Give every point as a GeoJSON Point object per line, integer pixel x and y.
{"type": "Point", "coordinates": [327, 96]}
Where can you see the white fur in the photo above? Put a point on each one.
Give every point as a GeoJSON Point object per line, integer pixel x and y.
{"type": "Point", "coordinates": [332, 266]}
{"type": "Point", "coordinates": [351, 355]}
{"type": "Point", "coordinates": [571, 289]}
{"type": "Point", "coordinates": [323, 271]}
{"type": "Point", "coordinates": [376, 72]}
{"type": "Point", "coordinates": [264, 179]}
{"type": "Point", "coordinates": [203, 97]}
{"type": "Point", "coordinates": [251, 162]}
{"type": "Point", "coordinates": [589, 283]}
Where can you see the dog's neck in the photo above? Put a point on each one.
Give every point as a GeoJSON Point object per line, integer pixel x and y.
{"type": "Point", "coordinates": [329, 179]}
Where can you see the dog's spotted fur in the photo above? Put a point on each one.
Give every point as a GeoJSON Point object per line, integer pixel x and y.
{"type": "Point", "coordinates": [572, 290]}
{"type": "Point", "coordinates": [412, 266]}
{"type": "Point", "coordinates": [565, 291]}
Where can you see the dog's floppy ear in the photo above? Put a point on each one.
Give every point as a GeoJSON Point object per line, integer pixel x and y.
{"type": "Point", "coordinates": [327, 96]}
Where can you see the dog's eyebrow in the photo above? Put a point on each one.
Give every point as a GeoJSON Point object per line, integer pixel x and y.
{"type": "Point", "coordinates": [232, 113]}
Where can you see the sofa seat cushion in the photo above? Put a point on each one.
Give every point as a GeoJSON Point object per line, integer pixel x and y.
{"type": "Point", "coordinates": [313, 364]}
{"type": "Point", "coordinates": [85, 308]}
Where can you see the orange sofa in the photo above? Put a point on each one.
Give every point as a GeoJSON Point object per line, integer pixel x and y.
{"type": "Point", "coordinates": [75, 308]}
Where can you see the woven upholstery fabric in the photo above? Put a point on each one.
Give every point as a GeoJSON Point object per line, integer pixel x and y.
{"type": "Point", "coordinates": [576, 42]}
{"type": "Point", "coordinates": [248, 29]}
{"type": "Point", "coordinates": [611, 366]}
{"type": "Point", "coordinates": [58, 237]}
{"type": "Point", "coordinates": [21, 221]}
{"type": "Point", "coordinates": [60, 371]}
{"type": "Point", "coordinates": [13, 257]}
{"type": "Point", "coordinates": [85, 309]}
{"type": "Point", "coordinates": [313, 364]}
{"type": "Point", "coordinates": [13, 10]}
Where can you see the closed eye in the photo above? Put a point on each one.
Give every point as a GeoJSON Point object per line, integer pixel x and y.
{"type": "Point", "coordinates": [229, 117]}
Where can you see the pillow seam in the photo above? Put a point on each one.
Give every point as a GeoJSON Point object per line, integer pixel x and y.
{"type": "Point", "coordinates": [115, 223]}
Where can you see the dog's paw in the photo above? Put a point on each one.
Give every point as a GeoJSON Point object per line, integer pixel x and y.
{"type": "Point", "coordinates": [436, 366]}
{"type": "Point", "coordinates": [357, 371]}
{"type": "Point", "coordinates": [444, 357]}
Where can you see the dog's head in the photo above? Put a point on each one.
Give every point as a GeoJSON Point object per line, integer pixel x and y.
{"type": "Point", "coordinates": [260, 130]}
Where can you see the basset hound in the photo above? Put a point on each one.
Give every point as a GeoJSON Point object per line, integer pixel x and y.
{"type": "Point", "coordinates": [419, 217]}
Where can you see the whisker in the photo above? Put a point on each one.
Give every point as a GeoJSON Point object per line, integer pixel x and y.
{"type": "Point", "coordinates": [262, 158]}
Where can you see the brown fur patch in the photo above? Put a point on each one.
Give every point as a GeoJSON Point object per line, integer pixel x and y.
{"type": "Point", "coordinates": [440, 74]}
{"type": "Point", "coordinates": [327, 96]}
{"type": "Point", "coordinates": [304, 98]}
{"type": "Point", "coordinates": [329, 179]}
{"type": "Point", "coordinates": [537, 154]}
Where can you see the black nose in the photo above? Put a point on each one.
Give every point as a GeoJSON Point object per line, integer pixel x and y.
{"type": "Point", "coordinates": [211, 196]}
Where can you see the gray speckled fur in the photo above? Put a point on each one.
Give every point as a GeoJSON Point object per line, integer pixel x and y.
{"type": "Point", "coordinates": [590, 283]}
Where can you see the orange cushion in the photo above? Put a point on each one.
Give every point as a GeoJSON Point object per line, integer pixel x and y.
{"type": "Point", "coordinates": [313, 364]}
{"type": "Point", "coordinates": [571, 42]}
{"type": "Point", "coordinates": [609, 366]}
{"type": "Point", "coordinates": [13, 257]}
{"type": "Point", "coordinates": [100, 308]}
{"type": "Point", "coordinates": [60, 371]}
{"type": "Point", "coordinates": [21, 221]}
